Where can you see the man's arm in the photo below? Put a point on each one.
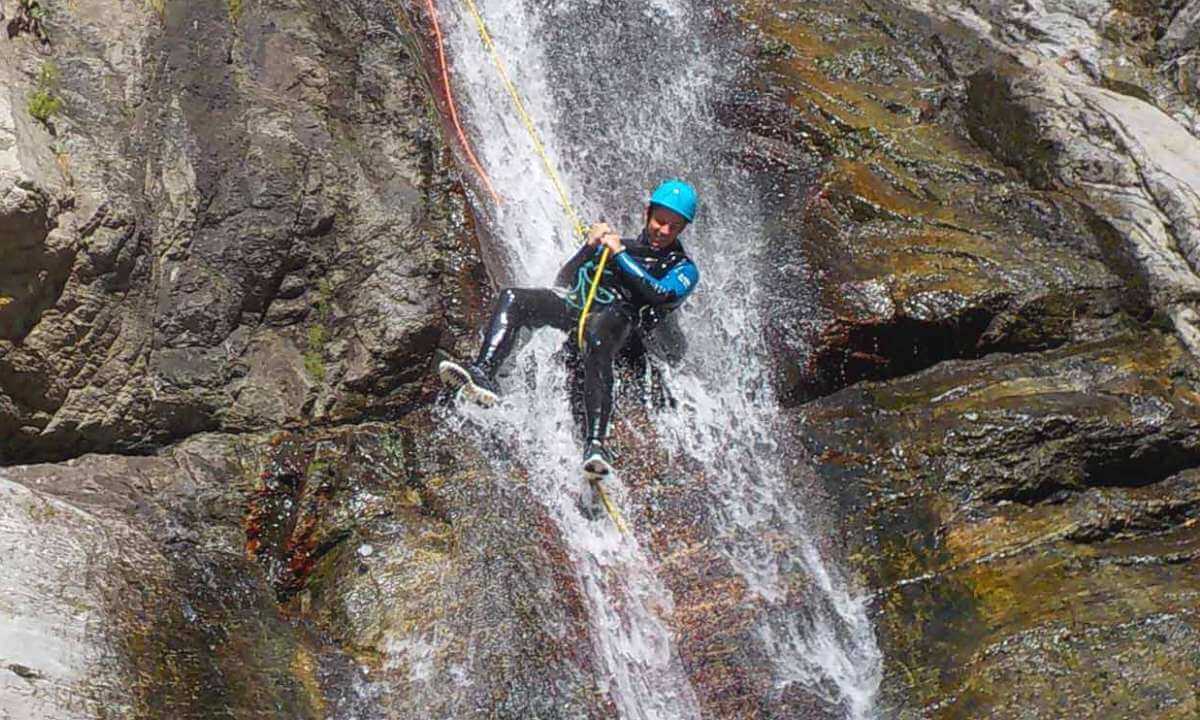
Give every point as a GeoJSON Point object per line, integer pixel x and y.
{"type": "Point", "coordinates": [566, 275]}
{"type": "Point", "coordinates": [677, 284]}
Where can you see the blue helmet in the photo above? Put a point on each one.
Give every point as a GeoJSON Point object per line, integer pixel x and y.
{"type": "Point", "coordinates": [677, 196]}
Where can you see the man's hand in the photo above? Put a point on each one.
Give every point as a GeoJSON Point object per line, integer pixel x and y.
{"type": "Point", "coordinates": [597, 231]}
{"type": "Point", "coordinates": [612, 241]}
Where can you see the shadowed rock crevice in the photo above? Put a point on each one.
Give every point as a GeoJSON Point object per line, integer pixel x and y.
{"type": "Point", "coordinates": [36, 259]}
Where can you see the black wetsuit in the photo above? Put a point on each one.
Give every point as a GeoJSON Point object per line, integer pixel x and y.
{"type": "Point", "coordinates": [640, 286]}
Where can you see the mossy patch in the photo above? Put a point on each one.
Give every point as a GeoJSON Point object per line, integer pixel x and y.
{"type": "Point", "coordinates": [314, 354]}
{"type": "Point", "coordinates": [43, 101]}
{"type": "Point", "coordinates": [317, 335]}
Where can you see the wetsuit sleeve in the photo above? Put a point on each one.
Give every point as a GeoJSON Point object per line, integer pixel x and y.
{"type": "Point", "coordinates": [679, 281]}
{"type": "Point", "coordinates": [566, 275]}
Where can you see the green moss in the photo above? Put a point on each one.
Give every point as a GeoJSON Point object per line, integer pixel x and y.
{"type": "Point", "coordinates": [30, 17]}
{"type": "Point", "coordinates": [314, 365]}
{"type": "Point", "coordinates": [314, 356]}
{"type": "Point", "coordinates": [44, 103]}
{"type": "Point", "coordinates": [324, 300]}
{"type": "Point", "coordinates": [236, 8]}
{"type": "Point", "coordinates": [158, 6]}
{"type": "Point", "coordinates": [41, 512]}
{"type": "Point", "coordinates": [774, 48]}
{"type": "Point", "coordinates": [318, 335]}
{"type": "Point", "coordinates": [33, 9]}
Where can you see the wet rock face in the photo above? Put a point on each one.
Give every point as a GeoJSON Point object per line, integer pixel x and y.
{"type": "Point", "coordinates": [993, 207]}
{"type": "Point", "coordinates": [241, 219]}
{"type": "Point", "coordinates": [1028, 517]}
{"type": "Point", "coordinates": [919, 245]}
{"type": "Point", "coordinates": [340, 573]}
{"type": "Point", "coordinates": [420, 566]}
{"type": "Point", "coordinates": [244, 218]}
{"type": "Point", "coordinates": [126, 592]}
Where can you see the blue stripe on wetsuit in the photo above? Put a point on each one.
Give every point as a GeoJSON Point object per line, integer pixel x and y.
{"type": "Point", "coordinates": [673, 287]}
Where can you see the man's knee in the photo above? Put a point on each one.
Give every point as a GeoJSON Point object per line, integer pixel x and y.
{"type": "Point", "coordinates": [506, 297]}
{"type": "Point", "coordinates": [605, 334]}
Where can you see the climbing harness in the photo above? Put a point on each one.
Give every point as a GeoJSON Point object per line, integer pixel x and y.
{"type": "Point", "coordinates": [577, 296]}
{"type": "Point", "coordinates": [569, 209]}
{"type": "Point", "coordinates": [587, 305]}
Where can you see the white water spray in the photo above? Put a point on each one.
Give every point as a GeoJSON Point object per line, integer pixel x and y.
{"type": "Point", "coordinates": [616, 119]}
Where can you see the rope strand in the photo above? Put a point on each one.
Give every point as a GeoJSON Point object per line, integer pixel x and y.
{"type": "Point", "coordinates": [538, 147]}
{"type": "Point", "coordinates": [462, 136]}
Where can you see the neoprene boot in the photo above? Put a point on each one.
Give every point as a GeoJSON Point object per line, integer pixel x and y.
{"type": "Point", "coordinates": [475, 383]}
{"type": "Point", "coordinates": [597, 461]}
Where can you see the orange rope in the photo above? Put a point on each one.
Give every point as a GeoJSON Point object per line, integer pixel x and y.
{"type": "Point", "coordinates": [462, 136]}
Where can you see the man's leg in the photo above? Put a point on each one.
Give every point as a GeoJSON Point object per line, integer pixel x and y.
{"type": "Point", "coordinates": [604, 337]}
{"type": "Point", "coordinates": [518, 308]}
{"type": "Point", "coordinates": [515, 308]}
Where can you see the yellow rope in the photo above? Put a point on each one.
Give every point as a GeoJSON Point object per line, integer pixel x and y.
{"type": "Point", "coordinates": [610, 508]}
{"type": "Point", "coordinates": [528, 121]}
{"type": "Point", "coordinates": [562, 198]}
{"type": "Point", "coordinates": [587, 305]}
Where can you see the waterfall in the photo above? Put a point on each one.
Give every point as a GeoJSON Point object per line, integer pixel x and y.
{"type": "Point", "coordinates": [621, 94]}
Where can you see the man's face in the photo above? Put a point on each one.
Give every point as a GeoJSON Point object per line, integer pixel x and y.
{"type": "Point", "coordinates": [663, 226]}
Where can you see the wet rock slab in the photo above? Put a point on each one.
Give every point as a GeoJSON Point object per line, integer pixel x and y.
{"type": "Point", "coordinates": [1030, 526]}
{"type": "Point", "coordinates": [913, 242]}
{"type": "Point", "coordinates": [350, 572]}
{"type": "Point", "coordinates": [445, 585]}
{"type": "Point", "coordinates": [124, 592]}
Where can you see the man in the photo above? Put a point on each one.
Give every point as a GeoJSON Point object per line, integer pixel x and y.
{"type": "Point", "coordinates": [644, 279]}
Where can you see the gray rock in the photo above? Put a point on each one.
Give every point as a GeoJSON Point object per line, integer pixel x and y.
{"type": "Point", "coordinates": [230, 226]}
{"type": "Point", "coordinates": [1183, 33]}
{"type": "Point", "coordinates": [1101, 42]}
{"type": "Point", "coordinates": [1136, 168]}
{"type": "Point", "coordinates": [125, 592]}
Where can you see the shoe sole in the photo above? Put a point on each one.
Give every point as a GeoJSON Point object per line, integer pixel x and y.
{"type": "Point", "coordinates": [596, 468]}
{"type": "Point", "coordinates": [456, 377]}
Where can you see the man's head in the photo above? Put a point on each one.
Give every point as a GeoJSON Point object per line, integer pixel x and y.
{"type": "Point", "coordinates": [672, 206]}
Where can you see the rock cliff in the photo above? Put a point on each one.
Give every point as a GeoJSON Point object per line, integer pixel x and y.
{"type": "Point", "coordinates": [228, 216]}
{"type": "Point", "coordinates": [232, 238]}
{"type": "Point", "coordinates": [1001, 391]}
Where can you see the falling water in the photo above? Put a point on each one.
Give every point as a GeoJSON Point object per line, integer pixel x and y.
{"type": "Point", "coordinates": [621, 95]}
